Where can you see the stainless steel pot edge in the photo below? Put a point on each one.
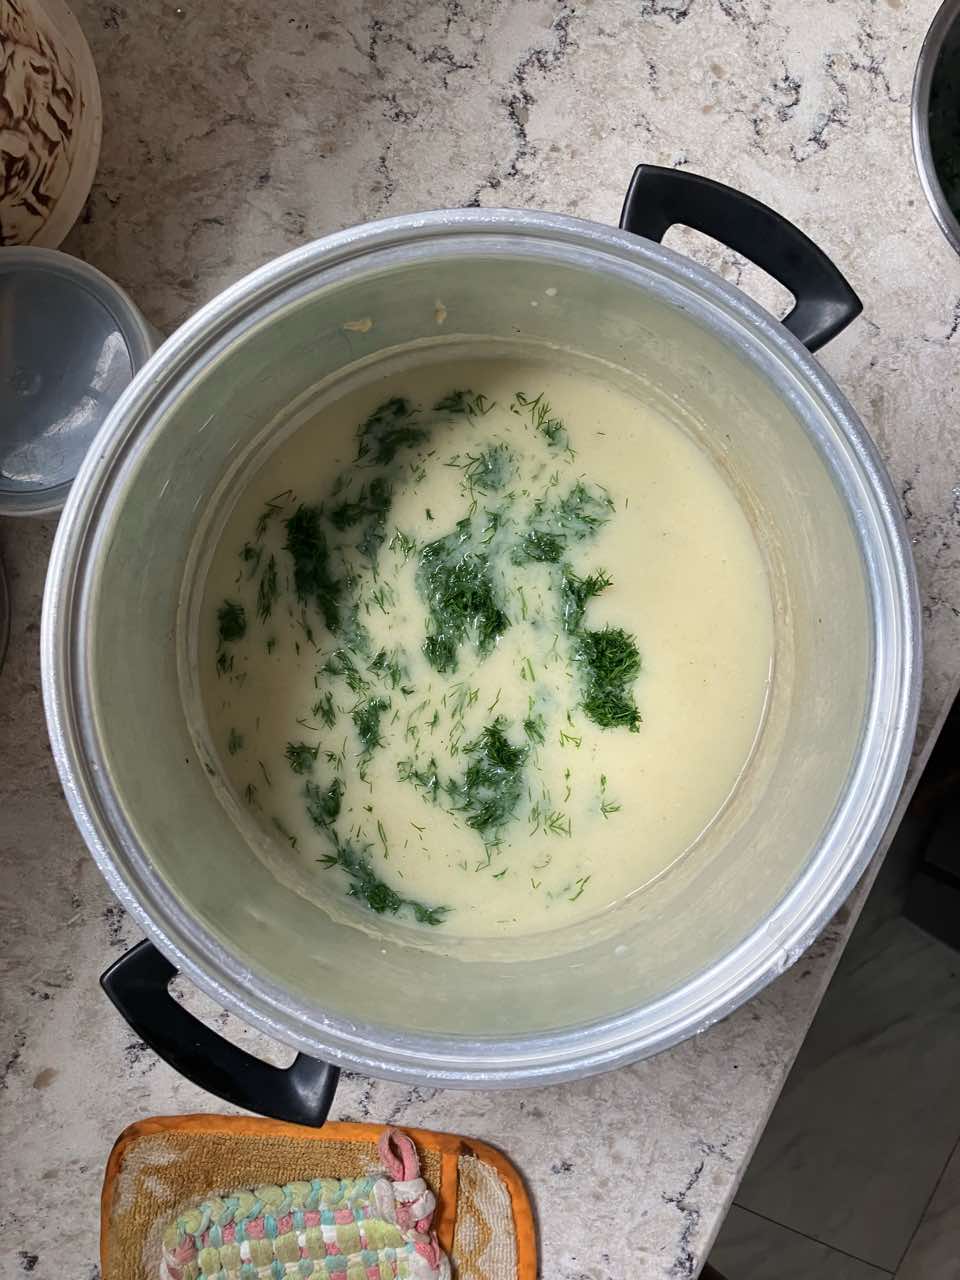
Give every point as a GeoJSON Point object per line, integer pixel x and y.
{"type": "Point", "coordinates": [467, 1063]}
{"type": "Point", "coordinates": [945, 17]}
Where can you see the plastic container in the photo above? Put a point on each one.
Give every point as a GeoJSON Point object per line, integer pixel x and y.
{"type": "Point", "coordinates": [71, 342]}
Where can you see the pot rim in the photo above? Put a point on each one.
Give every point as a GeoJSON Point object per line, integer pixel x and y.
{"type": "Point", "coordinates": [930, 50]}
{"type": "Point", "coordinates": [551, 1056]}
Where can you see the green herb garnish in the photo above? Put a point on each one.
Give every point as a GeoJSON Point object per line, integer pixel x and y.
{"type": "Point", "coordinates": [234, 742]}
{"type": "Point", "coordinates": [324, 709]}
{"type": "Point", "coordinates": [426, 780]}
{"type": "Point", "coordinates": [538, 546]}
{"type": "Point", "coordinates": [575, 592]}
{"type": "Point", "coordinates": [231, 622]}
{"type": "Point", "coordinates": [583, 511]}
{"type": "Point", "coordinates": [365, 884]}
{"type": "Point", "coordinates": [312, 577]}
{"type": "Point", "coordinates": [493, 784]}
{"type": "Point", "coordinates": [323, 803]}
{"type": "Point", "coordinates": [366, 715]}
{"type": "Point", "coordinates": [390, 666]}
{"type": "Point", "coordinates": [389, 428]}
{"type": "Point", "coordinates": [609, 662]}
{"type": "Point", "coordinates": [457, 587]}
{"type": "Point", "coordinates": [300, 757]}
{"type": "Point", "coordinates": [341, 664]}
{"type": "Point", "coordinates": [466, 402]}
{"type": "Point", "coordinates": [268, 590]}
{"type": "Point", "coordinates": [490, 470]}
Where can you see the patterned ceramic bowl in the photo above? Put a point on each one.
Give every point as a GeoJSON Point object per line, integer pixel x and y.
{"type": "Point", "coordinates": [50, 121]}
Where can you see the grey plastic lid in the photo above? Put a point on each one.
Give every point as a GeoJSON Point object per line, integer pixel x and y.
{"type": "Point", "coordinates": [70, 342]}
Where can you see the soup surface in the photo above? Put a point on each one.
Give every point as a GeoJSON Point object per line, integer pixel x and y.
{"type": "Point", "coordinates": [485, 646]}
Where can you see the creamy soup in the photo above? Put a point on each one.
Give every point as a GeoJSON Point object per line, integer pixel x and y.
{"type": "Point", "coordinates": [485, 646]}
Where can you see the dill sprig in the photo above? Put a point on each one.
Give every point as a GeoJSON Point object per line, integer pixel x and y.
{"type": "Point", "coordinates": [301, 757]}
{"type": "Point", "coordinates": [490, 470]}
{"type": "Point", "coordinates": [268, 590]}
{"type": "Point", "coordinates": [457, 586]}
{"type": "Point", "coordinates": [231, 622]}
{"type": "Point", "coordinates": [492, 785]}
{"type": "Point", "coordinates": [583, 511]}
{"type": "Point", "coordinates": [387, 430]}
{"type": "Point", "coordinates": [575, 592]}
{"type": "Point", "coordinates": [325, 710]}
{"type": "Point", "coordinates": [367, 885]}
{"type": "Point", "coordinates": [312, 577]}
{"type": "Point", "coordinates": [366, 716]}
{"type": "Point", "coordinates": [323, 803]}
{"type": "Point", "coordinates": [541, 418]}
{"type": "Point", "coordinates": [538, 546]}
{"type": "Point", "coordinates": [609, 662]}
{"type": "Point", "coordinates": [425, 779]}
{"type": "Point", "coordinates": [472, 404]}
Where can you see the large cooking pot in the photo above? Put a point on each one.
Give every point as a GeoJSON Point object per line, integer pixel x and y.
{"type": "Point", "coordinates": [119, 635]}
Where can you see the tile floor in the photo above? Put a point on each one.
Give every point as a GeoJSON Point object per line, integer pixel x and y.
{"type": "Point", "coordinates": [857, 1176]}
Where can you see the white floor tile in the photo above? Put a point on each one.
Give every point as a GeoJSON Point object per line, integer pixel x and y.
{"type": "Point", "coordinates": [934, 1252]}
{"type": "Point", "coordinates": [751, 1248]}
{"type": "Point", "coordinates": [871, 1111]}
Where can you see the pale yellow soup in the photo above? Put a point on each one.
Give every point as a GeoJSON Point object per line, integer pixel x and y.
{"type": "Point", "coordinates": [411, 690]}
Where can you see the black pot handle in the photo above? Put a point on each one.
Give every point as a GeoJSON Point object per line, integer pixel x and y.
{"type": "Point", "coordinates": [659, 198]}
{"type": "Point", "coordinates": [137, 984]}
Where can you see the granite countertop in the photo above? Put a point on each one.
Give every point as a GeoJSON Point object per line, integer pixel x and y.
{"type": "Point", "coordinates": [233, 133]}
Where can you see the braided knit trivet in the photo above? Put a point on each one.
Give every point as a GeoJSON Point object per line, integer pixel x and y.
{"type": "Point", "coordinates": [345, 1202]}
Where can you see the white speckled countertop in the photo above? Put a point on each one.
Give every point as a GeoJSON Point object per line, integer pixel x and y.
{"type": "Point", "coordinates": [233, 133]}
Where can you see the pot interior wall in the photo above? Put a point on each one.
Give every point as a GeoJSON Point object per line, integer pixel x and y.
{"type": "Point", "coordinates": [604, 308]}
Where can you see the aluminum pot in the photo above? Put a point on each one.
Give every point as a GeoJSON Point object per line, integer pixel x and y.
{"type": "Point", "coordinates": [745, 901]}
{"type": "Point", "coordinates": [935, 110]}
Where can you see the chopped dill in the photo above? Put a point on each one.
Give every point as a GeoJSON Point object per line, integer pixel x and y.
{"type": "Point", "coordinates": [341, 664]}
{"type": "Point", "coordinates": [402, 544]}
{"type": "Point", "coordinates": [535, 728]}
{"type": "Point", "coordinates": [366, 716]}
{"type": "Point", "coordinates": [538, 546]}
{"type": "Point", "coordinates": [426, 780]}
{"type": "Point", "coordinates": [323, 803]}
{"type": "Point", "coordinates": [557, 823]}
{"type": "Point", "coordinates": [538, 411]}
{"type": "Point", "coordinates": [575, 592]}
{"type": "Point", "coordinates": [373, 501]}
{"type": "Point", "coordinates": [456, 584]}
{"type": "Point", "coordinates": [583, 512]}
{"type": "Point", "coordinates": [466, 402]}
{"type": "Point", "coordinates": [580, 886]}
{"type": "Point", "coordinates": [383, 839]}
{"type": "Point", "coordinates": [231, 622]}
{"type": "Point", "coordinates": [490, 470]}
{"type": "Point", "coordinates": [387, 430]}
{"type": "Point", "coordinates": [366, 885]}
{"type": "Point", "coordinates": [324, 710]}
{"type": "Point", "coordinates": [234, 742]}
{"type": "Point", "coordinates": [273, 508]}
{"type": "Point", "coordinates": [312, 577]}
{"type": "Point", "coordinates": [300, 757]}
{"type": "Point", "coordinates": [492, 785]}
{"type": "Point", "coordinates": [268, 590]}
{"type": "Point", "coordinates": [609, 662]}
{"type": "Point", "coordinates": [250, 793]}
